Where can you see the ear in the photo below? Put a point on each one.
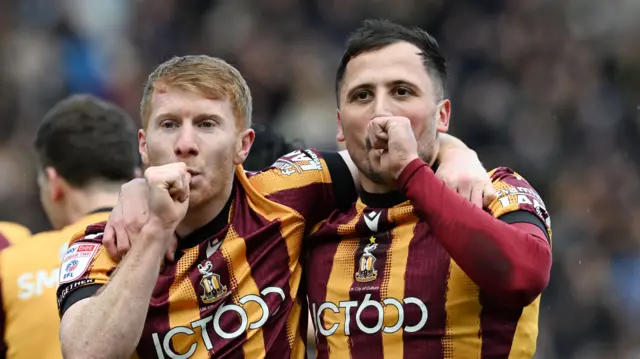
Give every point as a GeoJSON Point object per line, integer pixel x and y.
{"type": "Point", "coordinates": [340, 135]}
{"type": "Point", "coordinates": [443, 115]}
{"type": "Point", "coordinates": [142, 147]}
{"type": "Point", "coordinates": [245, 140]}
{"type": "Point", "coordinates": [56, 184]}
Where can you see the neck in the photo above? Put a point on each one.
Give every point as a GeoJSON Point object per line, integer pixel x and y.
{"type": "Point", "coordinates": [201, 214]}
{"type": "Point", "coordinates": [81, 202]}
{"type": "Point", "coordinates": [373, 187]}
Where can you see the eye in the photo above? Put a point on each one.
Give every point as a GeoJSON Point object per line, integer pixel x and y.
{"type": "Point", "coordinates": [402, 92]}
{"type": "Point", "coordinates": [208, 123]}
{"type": "Point", "coordinates": [362, 96]}
{"type": "Point", "coordinates": [169, 124]}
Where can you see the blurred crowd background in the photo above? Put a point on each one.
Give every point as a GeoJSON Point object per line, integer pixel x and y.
{"type": "Point", "coordinates": [550, 88]}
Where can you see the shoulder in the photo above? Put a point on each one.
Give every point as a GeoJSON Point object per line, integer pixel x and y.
{"type": "Point", "coordinates": [297, 169]}
{"type": "Point", "coordinates": [515, 194]}
{"type": "Point", "coordinates": [507, 182]}
{"type": "Point", "coordinates": [90, 234]}
{"type": "Point", "coordinates": [13, 233]}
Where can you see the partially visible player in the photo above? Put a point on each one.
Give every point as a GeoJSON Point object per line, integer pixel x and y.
{"type": "Point", "coordinates": [87, 150]}
{"type": "Point", "coordinates": [233, 288]}
{"type": "Point", "coordinates": [412, 269]}
{"type": "Point", "coordinates": [12, 233]}
{"type": "Point", "coordinates": [267, 147]}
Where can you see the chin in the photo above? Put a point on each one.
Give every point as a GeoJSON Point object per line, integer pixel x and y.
{"type": "Point", "coordinates": [195, 200]}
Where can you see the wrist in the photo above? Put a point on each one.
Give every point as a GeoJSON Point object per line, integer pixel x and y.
{"type": "Point", "coordinates": [155, 237]}
{"type": "Point", "coordinates": [403, 166]}
{"type": "Point", "coordinates": [409, 170]}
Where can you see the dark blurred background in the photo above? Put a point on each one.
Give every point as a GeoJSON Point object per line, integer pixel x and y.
{"type": "Point", "coordinates": [550, 88]}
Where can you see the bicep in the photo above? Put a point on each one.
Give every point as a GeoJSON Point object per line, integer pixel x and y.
{"type": "Point", "coordinates": [69, 321]}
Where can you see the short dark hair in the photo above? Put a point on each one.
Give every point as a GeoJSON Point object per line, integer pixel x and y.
{"type": "Point", "coordinates": [374, 34]}
{"type": "Point", "coordinates": [267, 148]}
{"type": "Point", "coordinates": [87, 139]}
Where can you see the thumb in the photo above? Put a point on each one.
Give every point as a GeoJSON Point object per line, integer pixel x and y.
{"type": "Point", "coordinates": [488, 195]}
{"type": "Point", "coordinates": [171, 251]}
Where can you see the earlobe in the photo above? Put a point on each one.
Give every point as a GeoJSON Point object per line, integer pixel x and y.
{"type": "Point", "coordinates": [245, 141]}
{"type": "Point", "coordinates": [443, 115]}
{"type": "Point", "coordinates": [54, 182]}
{"type": "Point", "coordinates": [340, 133]}
{"type": "Point", "coordinates": [142, 148]}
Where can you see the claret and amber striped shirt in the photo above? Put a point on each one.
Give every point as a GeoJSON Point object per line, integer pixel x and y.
{"type": "Point", "coordinates": [380, 285]}
{"type": "Point", "coordinates": [232, 291]}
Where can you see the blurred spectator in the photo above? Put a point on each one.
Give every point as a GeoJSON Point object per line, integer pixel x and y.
{"type": "Point", "coordinates": [550, 88]}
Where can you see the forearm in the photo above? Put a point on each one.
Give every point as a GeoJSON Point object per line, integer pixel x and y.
{"type": "Point", "coordinates": [502, 260]}
{"type": "Point", "coordinates": [448, 142]}
{"type": "Point", "coordinates": [117, 314]}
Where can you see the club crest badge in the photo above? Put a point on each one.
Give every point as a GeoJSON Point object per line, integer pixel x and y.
{"type": "Point", "coordinates": [367, 272]}
{"type": "Point", "coordinates": [210, 282]}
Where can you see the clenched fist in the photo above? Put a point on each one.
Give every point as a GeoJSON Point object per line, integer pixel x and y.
{"type": "Point", "coordinates": [168, 194]}
{"type": "Point", "coordinates": [394, 144]}
{"type": "Point", "coordinates": [160, 200]}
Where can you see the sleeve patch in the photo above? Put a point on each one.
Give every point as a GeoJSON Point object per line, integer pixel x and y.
{"type": "Point", "coordinates": [71, 288]}
{"type": "Point", "coordinates": [76, 261]}
{"type": "Point", "coordinates": [298, 162]}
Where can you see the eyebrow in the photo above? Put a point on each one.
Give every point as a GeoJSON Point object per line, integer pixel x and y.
{"type": "Point", "coordinates": [369, 86]}
{"type": "Point", "coordinates": [199, 117]}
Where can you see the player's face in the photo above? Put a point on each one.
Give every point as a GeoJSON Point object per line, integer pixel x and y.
{"type": "Point", "coordinates": [391, 81]}
{"type": "Point", "coordinates": [187, 127]}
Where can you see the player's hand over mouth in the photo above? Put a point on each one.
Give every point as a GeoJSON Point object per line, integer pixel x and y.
{"type": "Point", "coordinates": [393, 142]}
{"type": "Point", "coordinates": [160, 200]}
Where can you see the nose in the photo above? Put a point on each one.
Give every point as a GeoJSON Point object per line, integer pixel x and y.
{"type": "Point", "coordinates": [382, 105]}
{"type": "Point", "coordinates": [187, 144]}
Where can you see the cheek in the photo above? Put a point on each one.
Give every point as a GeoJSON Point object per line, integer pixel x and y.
{"type": "Point", "coordinates": [159, 149]}
{"type": "Point", "coordinates": [421, 124]}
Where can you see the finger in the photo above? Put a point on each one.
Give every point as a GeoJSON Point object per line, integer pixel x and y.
{"type": "Point", "coordinates": [186, 181]}
{"type": "Point", "coordinates": [178, 189]}
{"type": "Point", "coordinates": [378, 127]}
{"type": "Point", "coordinates": [378, 141]}
{"type": "Point", "coordinates": [476, 196]}
{"type": "Point", "coordinates": [109, 242]}
{"type": "Point", "coordinates": [171, 251]}
{"type": "Point", "coordinates": [464, 188]}
{"type": "Point", "coordinates": [488, 194]}
{"type": "Point", "coordinates": [123, 242]}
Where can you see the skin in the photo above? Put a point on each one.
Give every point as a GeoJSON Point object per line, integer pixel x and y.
{"type": "Point", "coordinates": [65, 204]}
{"type": "Point", "coordinates": [204, 134]}
{"type": "Point", "coordinates": [191, 144]}
{"type": "Point", "coordinates": [389, 82]}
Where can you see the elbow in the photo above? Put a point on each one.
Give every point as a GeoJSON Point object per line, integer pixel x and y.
{"type": "Point", "coordinates": [528, 281]}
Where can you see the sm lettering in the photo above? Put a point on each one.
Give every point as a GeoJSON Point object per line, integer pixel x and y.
{"type": "Point", "coordinates": [347, 311]}
{"type": "Point", "coordinates": [34, 284]}
{"type": "Point", "coordinates": [163, 345]}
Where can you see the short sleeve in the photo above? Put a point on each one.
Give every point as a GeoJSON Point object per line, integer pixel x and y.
{"type": "Point", "coordinates": [85, 268]}
{"type": "Point", "coordinates": [517, 201]}
{"type": "Point", "coordinates": [312, 182]}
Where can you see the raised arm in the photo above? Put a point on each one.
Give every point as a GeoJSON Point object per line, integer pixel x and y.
{"type": "Point", "coordinates": [109, 324]}
{"type": "Point", "coordinates": [459, 168]}
{"type": "Point", "coordinates": [508, 258]}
